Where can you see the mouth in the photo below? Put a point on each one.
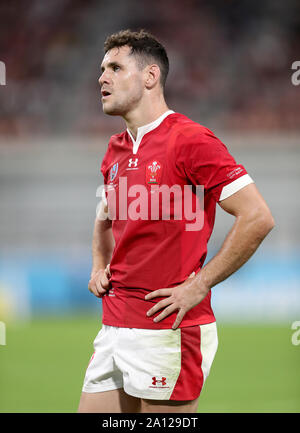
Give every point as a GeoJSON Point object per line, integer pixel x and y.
{"type": "Point", "coordinates": [105, 94]}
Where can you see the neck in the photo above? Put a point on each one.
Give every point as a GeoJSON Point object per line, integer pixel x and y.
{"type": "Point", "coordinates": [146, 112]}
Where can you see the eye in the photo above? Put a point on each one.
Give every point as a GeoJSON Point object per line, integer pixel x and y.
{"type": "Point", "coordinates": [116, 68]}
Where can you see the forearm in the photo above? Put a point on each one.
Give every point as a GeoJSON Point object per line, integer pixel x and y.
{"type": "Point", "coordinates": [102, 245]}
{"type": "Point", "coordinates": [253, 222]}
{"type": "Point", "coordinates": [241, 242]}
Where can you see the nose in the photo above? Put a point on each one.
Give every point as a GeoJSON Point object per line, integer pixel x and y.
{"type": "Point", "coordinates": [103, 78]}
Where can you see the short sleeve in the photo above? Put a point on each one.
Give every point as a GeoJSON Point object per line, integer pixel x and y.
{"type": "Point", "coordinates": [104, 171]}
{"type": "Point", "coordinates": [207, 162]}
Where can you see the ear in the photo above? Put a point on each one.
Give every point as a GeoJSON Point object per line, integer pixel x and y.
{"type": "Point", "coordinates": [152, 75]}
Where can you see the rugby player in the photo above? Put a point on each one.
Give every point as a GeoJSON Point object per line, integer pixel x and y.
{"type": "Point", "coordinates": [159, 337]}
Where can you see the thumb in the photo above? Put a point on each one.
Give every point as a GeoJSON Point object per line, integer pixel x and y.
{"type": "Point", "coordinates": [107, 271]}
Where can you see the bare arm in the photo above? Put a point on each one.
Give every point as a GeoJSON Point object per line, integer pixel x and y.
{"type": "Point", "coordinates": [253, 221]}
{"type": "Point", "coordinates": [102, 247]}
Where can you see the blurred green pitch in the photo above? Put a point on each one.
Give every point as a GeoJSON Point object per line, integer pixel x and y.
{"type": "Point", "coordinates": [43, 364]}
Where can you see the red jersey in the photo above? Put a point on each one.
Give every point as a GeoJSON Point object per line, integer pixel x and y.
{"type": "Point", "coordinates": [152, 251]}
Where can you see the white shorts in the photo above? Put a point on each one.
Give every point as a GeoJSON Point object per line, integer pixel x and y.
{"type": "Point", "coordinates": [158, 364]}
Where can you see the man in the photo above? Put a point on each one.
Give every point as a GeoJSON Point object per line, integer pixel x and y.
{"type": "Point", "coordinates": [158, 338]}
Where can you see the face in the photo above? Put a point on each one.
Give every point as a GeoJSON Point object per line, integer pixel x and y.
{"type": "Point", "coordinates": [121, 82]}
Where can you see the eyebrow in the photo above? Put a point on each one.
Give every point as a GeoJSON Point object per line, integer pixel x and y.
{"type": "Point", "coordinates": [110, 65]}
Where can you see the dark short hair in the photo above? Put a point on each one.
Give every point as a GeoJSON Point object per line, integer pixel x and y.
{"type": "Point", "coordinates": [144, 45]}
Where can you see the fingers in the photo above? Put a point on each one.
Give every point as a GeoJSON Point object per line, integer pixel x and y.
{"type": "Point", "coordinates": [107, 271]}
{"type": "Point", "coordinates": [158, 306]}
{"type": "Point", "coordinates": [167, 303]}
{"type": "Point", "coordinates": [158, 293]}
{"type": "Point", "coordinates": [166, 312]}
{"type": "Point", "coordinates": [163, 292]}
{"type": "Point", "coordinates": [173, 302]}
{"type": "Point", "coordinates": [99, 283]}
{"type": "Point", "coordinates": [178, 319]}
{"type": "Point", "coordinates": [171, 308]}
{"type": "Point", "coordinates": [93, 288]}
{"type": "Point", "coordinates": [103, 282]}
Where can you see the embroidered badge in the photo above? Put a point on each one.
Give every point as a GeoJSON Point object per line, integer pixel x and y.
{"type": "Point", "coordinates": [113, 171]}
{"type": "Point", "coordinates": [153, 172]}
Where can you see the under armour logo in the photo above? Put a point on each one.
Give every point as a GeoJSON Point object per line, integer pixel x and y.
{"type": "Point", "coordinates": [162, 381]}
{"type": "Point", "coordinates": [133, 162]}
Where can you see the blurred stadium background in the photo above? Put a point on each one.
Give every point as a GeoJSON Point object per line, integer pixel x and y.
{"type": "Point", "coordinates": [231, 71]}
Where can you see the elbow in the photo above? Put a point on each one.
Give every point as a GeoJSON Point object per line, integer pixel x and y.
{"type": "Point", "coordinates": [269, 224]}
{"type": "Point", "coordinates": [265, 222]}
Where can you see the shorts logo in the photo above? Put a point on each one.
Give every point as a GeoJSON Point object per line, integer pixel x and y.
{"type": "Point", "coordinates": [153, 172]}
{"type": "Point", "coordinates": [113, 171]}
{"type": "Point", "coordinates": [159, 383]}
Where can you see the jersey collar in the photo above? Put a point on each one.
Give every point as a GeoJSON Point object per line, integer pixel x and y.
{"type": "Point", "coordinates": [142, 130]}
